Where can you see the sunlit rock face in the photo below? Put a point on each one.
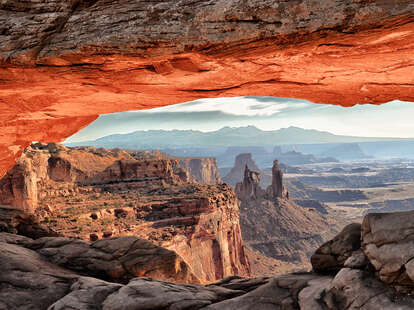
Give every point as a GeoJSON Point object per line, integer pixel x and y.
{"type": "Point", "coordinates": [90, 194]}
{"type": "Point", "coordinates": [64, 62]}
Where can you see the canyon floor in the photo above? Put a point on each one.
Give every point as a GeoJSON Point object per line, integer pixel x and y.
{"type": "Point", "coordinates": [353, 189]}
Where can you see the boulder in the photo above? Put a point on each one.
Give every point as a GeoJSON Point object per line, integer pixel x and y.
{"type": "Point", "coordinates": [331, 256]}
{"type": "Point", "coordinates": [388, 242]}
{"type": "Point", "coordinates": [28, 281]}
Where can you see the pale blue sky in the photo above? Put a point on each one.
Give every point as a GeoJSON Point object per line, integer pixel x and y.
{"type": "Point", "coordinates": [394, 119]}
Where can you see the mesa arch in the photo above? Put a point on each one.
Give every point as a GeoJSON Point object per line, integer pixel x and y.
{"type": "Point", "coordinates": [62, 63]}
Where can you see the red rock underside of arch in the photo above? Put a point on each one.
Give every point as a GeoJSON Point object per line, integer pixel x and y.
{"type": "Point", "coordinates": [51, 97]}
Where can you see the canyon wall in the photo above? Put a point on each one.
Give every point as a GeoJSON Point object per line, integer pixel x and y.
{"type": "Point", "coordinates": [94, 194]}
{"type": "Point", "coordinates": [203, 169]}
{"type": "Point", "coordinates": [64, 63]}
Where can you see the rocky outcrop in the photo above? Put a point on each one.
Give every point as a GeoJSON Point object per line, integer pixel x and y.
{"type": "Point", "coordinates": [250, 187]}
{"type": "Point", "coordinates": [277, 189]}
{"type": "Point", "coordinates": [383, 244]}
{"type": "Point", "coordinates": [203, 170]}
{"type": "Point", "coordinates": [32, 279]}
{"type": "Point", "coordinates": [116, 259]}
{"type": "Point", "coordinates": [236, 174]}
{"type": "Point", "coordinates": [46, 164]}
{"type": "Point", "coordinates": [15, 221]}
{"type": "Point", "coordinates": [129, 170]}
{"type": "Point", "coordinates": [387, 241]}
{"type": "Point", "coordinates": [94, 194]}
{"type": "Point", "coordinates": [331, 256]}
{"type": "Point", "coordinates": [274, 225]}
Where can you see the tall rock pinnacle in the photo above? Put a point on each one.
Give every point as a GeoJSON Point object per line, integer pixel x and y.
{"type": "Point", "coordinates": [277, 190]}
{"type": "Point", "coordinates": [249, 188]}
{"type": "Point", "coordinates": [236, 173]}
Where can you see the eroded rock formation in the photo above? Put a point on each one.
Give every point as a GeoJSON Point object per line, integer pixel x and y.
{"type": "Point", "coordinates": [93, 194]}
{"type": "Point", "coordinates": [203, 169]}
{"type": "Point", "coordinates": [237, 173]}
{"type": "Point", "coordinates": [250, 187]}
{"type": "Point", "coordinates": [330, 257]}
{"type": "Point", "coordinates": [387, 241]}
{"type": "Point", "coordinates": [274, 225]}
{"type": "Point", "coordinates": [63, 63]}
{"type": "Point", "coordinates": [277, 188]}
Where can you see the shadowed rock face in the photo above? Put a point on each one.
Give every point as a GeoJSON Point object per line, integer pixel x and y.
{"type": "Point", "coordinates": [63, 63]}
{"type": "Point", "coordinates": [331, 256]}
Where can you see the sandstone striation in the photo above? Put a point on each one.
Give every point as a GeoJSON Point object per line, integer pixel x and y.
{"type": "Point", "coordinates": [274, 225]}
{"type": "Point", "coordinates": [93, 194]}
{"type": "Point", "coordinates": [203, 170]}
{"type": "Point", "coordinates": [64, 63]}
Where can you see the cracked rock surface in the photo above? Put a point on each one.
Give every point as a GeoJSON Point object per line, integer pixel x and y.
{"type": "Point", "coordinates": [388, 242]}
{"type": "Point", "coordinates": [55, 273]}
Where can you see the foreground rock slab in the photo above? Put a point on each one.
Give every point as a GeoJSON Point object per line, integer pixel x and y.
{"type": "Point", "coordinates": [116, 259]}
{"type": "Point", "coordinates": [30, 278]}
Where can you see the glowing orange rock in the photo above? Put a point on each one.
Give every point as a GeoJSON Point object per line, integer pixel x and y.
{"type": "Point", "coordinates": [62, 66]}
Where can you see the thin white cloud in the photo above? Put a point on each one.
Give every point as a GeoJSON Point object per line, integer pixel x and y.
{"type": "Point", "coordinates": [241, 106]}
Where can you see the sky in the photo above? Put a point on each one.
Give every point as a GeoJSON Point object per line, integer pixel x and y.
{"type": "Point", "coordinates": [393, 119]}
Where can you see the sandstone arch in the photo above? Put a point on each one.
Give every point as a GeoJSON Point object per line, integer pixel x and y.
{"type": "Point", "coordinates": [63, 63]}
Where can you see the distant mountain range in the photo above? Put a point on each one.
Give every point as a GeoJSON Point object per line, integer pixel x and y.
{"type": "Point", "coordinates": [225, 137]}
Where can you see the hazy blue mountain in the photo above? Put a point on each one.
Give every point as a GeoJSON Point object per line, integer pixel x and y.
{"type": "Point", "coordinates": [225, 137]}
{"type": "Point", "coordinates": [346, 151]}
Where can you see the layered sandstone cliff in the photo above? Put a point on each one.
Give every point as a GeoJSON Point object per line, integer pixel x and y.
{"type": "Point", "coordinates": [93, 193]}
{"type": "Point", "coordinates": [274, 225]}
{"type": "Point", "coordinates": [203, 170]}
